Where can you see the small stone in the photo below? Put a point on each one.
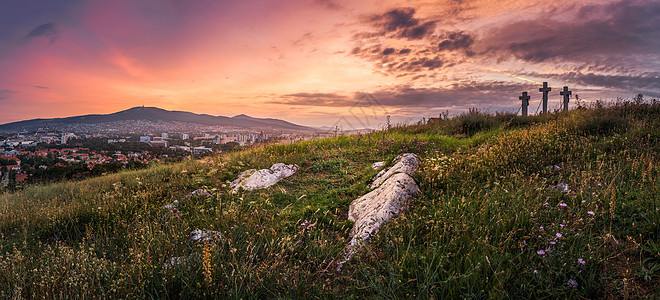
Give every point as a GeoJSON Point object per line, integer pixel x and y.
{"type": "Point", "coordinates": [257, 179]}
{"type": "Point", "coordinates": [378, 165]}
{"type": "Point", "coordinates": [553, 167]}
{"type": "Point", "coordinates": [562, 187]}
{"type": "Point", "coordinates": [172, 205]}
{"type": "Point", "coordinates": [198, 235]}
{"type": "Point", "coordinates": [200, 193]}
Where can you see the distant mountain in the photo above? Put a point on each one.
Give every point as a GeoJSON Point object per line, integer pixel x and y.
{"type": "Point", "coordinates": [156, 114]}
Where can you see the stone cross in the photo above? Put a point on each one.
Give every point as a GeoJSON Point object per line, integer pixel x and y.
{"type": "Point", "coordinates": [566, 93]}
{"type": "Point", "coordinates": [545, 90]}
{"type": "Point", "coordinates": [525, 102]}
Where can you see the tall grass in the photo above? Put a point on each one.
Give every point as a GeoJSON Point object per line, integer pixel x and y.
{"type": "Point", "coordinates": [494, 219]}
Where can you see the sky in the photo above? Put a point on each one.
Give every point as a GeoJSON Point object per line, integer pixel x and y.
{"type": "Point", "coordinates": [321, 62]}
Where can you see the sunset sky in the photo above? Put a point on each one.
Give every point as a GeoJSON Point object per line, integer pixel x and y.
{"type": "Point", "coordinates": [312, 62]}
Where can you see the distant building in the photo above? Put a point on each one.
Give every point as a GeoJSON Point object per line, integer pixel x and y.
{"type": "Point", "coordinates": [164, 135]}
{"type": "Point", "coordinates": [145, 139]}
{"type": "Point", "coordinates": [185, 136]}
{"type": "Point", "coordinates": [198, 150]}
{"type": "Point", "coordinates": [160, 143]}
{"type": "Point", "coordinates": [182, 148]}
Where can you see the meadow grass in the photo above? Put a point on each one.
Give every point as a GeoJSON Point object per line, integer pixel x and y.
{"type": "Point", "coordinates": [556, 205]}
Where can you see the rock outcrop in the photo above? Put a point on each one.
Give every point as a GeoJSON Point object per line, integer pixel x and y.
{"type": "Point", "coordinates": [257, 179]}
{"type": "Point", "coordinates": [405, 163]}
{"type": "Point", "coordinates": [378, 165]}
{"type": "Point", "coordinates": [393, 188]}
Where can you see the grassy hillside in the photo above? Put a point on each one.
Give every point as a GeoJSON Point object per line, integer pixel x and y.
{"type": "Point", "coordinates": [494, 219]}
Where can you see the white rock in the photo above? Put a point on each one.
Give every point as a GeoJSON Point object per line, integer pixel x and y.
{"type": "Point", "coordinates": [404, 163]}
{"type": "Point", "coordinates": [393, 189]}
{"type": "Point", "coordinates": [380, 206]}
{"type": "Point", "coordinates": [205, 235]}
{"type": "Point", "coordinates": [257, 179]}
{"type": "Point", "coordinates": [562, 187]}
{"type": "Point", "coordinates": [200, 193]}
{"type": "Point", "coordinates": [553, 167]}
{"type": "Point", "coordinates": [172, 205]}
{"type": "Point", "coordinates": [378, 165]}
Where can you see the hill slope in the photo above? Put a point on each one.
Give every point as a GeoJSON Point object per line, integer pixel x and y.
{"type": "Point", "coordinates": [554, 206]}
{"type": "Point", "coordinates": [156, 114]}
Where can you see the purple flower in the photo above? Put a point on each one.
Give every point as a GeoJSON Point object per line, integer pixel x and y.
{"type": "Point", "coordinates": [541, 227]}
{"type": "Point", "coordinates": [572, 283]}
{"type": "Point", "coordinates": [558, 235]}
{"type": "Point", "coordinates": [536, 271]}
{"type": "Point", "coordinates": [540, 252]}
{"type": "Point", "coordinates": [563, 204]}
{"type": "Point", "coordinates": [581, 261]}
{"type": "Point", "coordinates": [590, 213]}
{"type": "Point", "coordinates": [552, 243]}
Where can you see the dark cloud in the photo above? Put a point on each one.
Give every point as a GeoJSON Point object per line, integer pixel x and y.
{"type": "Point", "coordinates": [396, 19]}
{"type": "Point", "coordinates": [399, 23]}
{"type": "Point", "coordinates": [455, 41]}
{"type": "Point", "coordinates": [404, 51]}
{"type": "Point", "coordinates": [622, 28]}
{"type": "Point", "coordinates": [468, 94]}
{"type": "Point", "coordinates": [41, 87]}
{"type": "Point", "coordinates": [648, 83]}
{"type": "Point", "coordinates": [388, 51]}
{"type": "Point", "coordinates": [48, 30]}
{"type": "Point", "coordinates": [315, 99]}
{"type": "Point", "coordinates": [5, 93]}
{"type": "Point", "coordinates": [419, 64]}
{"type": "Point", "coordinates": [418, 32]}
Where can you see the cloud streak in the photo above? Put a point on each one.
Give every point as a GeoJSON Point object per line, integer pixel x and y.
{"type": "Point", "coordinates": [461, 95]}
{"type": "Point", "coordinates": [47, 30]}
{"type": "Point", "coordinates": [6, 93]}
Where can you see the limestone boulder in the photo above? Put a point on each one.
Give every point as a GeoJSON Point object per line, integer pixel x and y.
{"type": "Point", "coordinates": [392, 188]}
{"type": "Point", "coordinates": [257, 179]}
{"type": "Point", "coordinates": [380, 206]}
{"type": "Point", "coordinates": [405, 163]}
{"type": "Point", "coordinates": [378, 165]}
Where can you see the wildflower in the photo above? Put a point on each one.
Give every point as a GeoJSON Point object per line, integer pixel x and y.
{"type": "Point", "coordinates": [561, 225]}
{"type": "Point", "coordinates": [536, 271]}
{"type": "Point", "coordinates": [558, 235]}
{"type": "Point", "coordinates": [590, 213]}
{"type": "Point", "coordinates": [572, 283]}
{"type": "Point", "coordinates": [581, 261]}
{"type": "Point", "coordinates": [583, 201]}
{"type": "Point", "coordinates": [552, 243]}
{"type": "Point", "coordinates": [541, 227]}
{"type": "Point", "coordinates": [547, 204]}
{"type": "Point", "coordinates": [540, 252]}
{"type": "Point", "coordinates": [563, 204]}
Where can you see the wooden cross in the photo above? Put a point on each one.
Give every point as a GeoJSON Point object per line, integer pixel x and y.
{"type": "Point", "coordinates": [545, 90]}
{"type": "Point", "coordinates": [525, 102]}
{"type": "Point", "coordinates": [566, 93]}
